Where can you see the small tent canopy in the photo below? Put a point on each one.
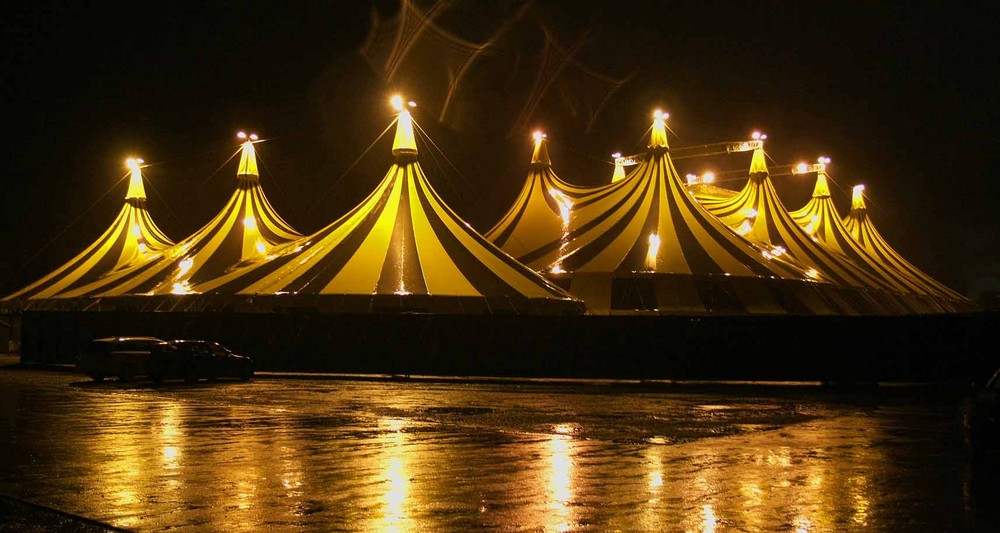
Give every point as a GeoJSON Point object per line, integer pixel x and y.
{"type": "Point", "coordinates": [859, 226]}
{"type": "Point", "coordinates": [246, 228]}
{"type": "Point", "coordinates": [758, 213]}
{"type": "Point", "coordinates": [541, 213]}
{"type": "Point", "coordinates": [820, 220]}
{"type": "Point", "coordinates": [131, 239]}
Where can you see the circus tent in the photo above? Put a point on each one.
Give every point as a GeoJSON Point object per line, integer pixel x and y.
{"type": "Point", "coordinates": [861, 228]}
{"type": "Point", "coordinates": [820, 220]}
{"type": "Point", "coordinates": [758, 213]}
{"type": "Point", "coordinates": [246, 228]}
{"type": "Point", "coordinates": [540, 213]}
{"type": "Point", "coordinates": [131, 239]}
{"type": "Point", "coordinates": [402, 249]}
{"type": "Point", "coordinates": [643, 244]}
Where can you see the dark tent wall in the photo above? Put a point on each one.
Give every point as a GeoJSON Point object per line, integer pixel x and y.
{"type": "Point", "coordinates": [932, 348]}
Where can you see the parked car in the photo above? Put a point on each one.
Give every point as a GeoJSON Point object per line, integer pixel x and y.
{"type": "Point", "coordinates": [124, 357]}
{"type": "Point", "coordinates": [197, 359]}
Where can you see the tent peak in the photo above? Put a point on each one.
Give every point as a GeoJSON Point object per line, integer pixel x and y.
{"type": "Point", "coordinates": [619, 167]}
{"type": "Point", "coordinates": [248, 156]}
{"type": "Point", "coordinates": [540, 155]}
{"type": "Point", "coordinates": [658, 139]}
{"type": "Point", "coordinates": [821, 189]}
{"type": "Point", "coordinates": [405, 143]}
{"type": "Point", "coordinates": [135, 189]}
{"type": "Point", "coordinates": [858, 198]}
{"type": "Point", "coordinates": [758, 163]}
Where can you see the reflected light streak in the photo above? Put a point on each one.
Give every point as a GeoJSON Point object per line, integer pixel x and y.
{"type": "Point", "coordinates": [709, 521]}
{"type": "Point", "coordinates": [560, 478]}
{"type": "Point", "coordinates": [396, 477]}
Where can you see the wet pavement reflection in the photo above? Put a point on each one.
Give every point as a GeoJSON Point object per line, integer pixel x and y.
{"type": "Point", "coordinates": [326, 455]}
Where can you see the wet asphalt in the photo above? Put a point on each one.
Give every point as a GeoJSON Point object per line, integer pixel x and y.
{"type": "Point", "coordinates": [380, 454]}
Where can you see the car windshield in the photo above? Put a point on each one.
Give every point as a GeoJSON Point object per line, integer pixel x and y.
{"type": "Point", "coordinates": [217, 348]}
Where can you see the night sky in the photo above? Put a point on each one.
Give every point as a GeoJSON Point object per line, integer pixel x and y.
{"type": "Point", "coordinates": [900, 97]}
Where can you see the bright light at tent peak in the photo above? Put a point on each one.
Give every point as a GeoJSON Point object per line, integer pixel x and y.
{"type": "Point", "coordinates": [133, 163]}
{"type": "Point", "coordinates": [660, 115]}
{"type": "Point", "coordinates": [538, 135]}
{"type": "Point", "coordinates": [758, 136]}
{"type": "Point", "coordinates": [241, 135]}
{"type": "Point", "coordinates": [824, 160]}
{"type": "Point", "coordinates": [801, 168]}
{"type": "Point", "coordinates": [616, 155]}
{"type": "Point", "coordinates": [399, 104]}
{"type": "Point", "coordinates": [708, 177]}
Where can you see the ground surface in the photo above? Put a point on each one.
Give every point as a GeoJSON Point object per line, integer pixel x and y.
{"type": "Point", "coordinates": [329, 455]}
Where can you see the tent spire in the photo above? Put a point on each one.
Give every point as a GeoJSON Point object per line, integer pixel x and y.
{"type": "Point", "coordinates": [659, 137]}
{"type": "Point", "coordinates": [858, 198]}
{"type": "Point", "coordinates": [248, 157]}
{"type": "Point", "coordinates": [619, 168]}
{"type": "Point", "coordinates": [540, 156]}
{"type": "Point", "coordinates": [821, 190]}
{"type": "Point", "coordinates": [758, 164]}
{"type": "Point", "coordinates": [404, 143]}
{"type": "Point", "coordinates": [135, 188]}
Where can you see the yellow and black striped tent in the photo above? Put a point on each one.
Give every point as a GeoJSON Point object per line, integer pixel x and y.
{"type": "Point", "coordinates": [246, 228]}
{"type": "Point", "coordinates": [860, 227]}
{"type": "Point", "coordinates": [131, 239]}
{"type": "Point", "coordinates": [643, 244]}
{"type": "Point", "coordinates": [401, 250]}
{"type": "Point", "coordinates": [542, 210]}
{"type": "Point", "coordinates": [820, 220]}
{"type": "Point", "coordinates": [758, 213]}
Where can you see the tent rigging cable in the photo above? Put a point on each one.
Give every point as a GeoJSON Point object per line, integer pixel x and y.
{"type": "Point", "coordinates": [65, 228]}
{"type": "Point", "coordinates": [165, 203]}
{"type": "Point", "coordinates": [437, 151]}
{"type": "Point", "coordinates": [351, 167]}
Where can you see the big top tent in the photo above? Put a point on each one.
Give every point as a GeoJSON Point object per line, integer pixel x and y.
{"type": "Point", "coordinates": [401, 250]}
{"type": "Point", "coordinates": [643, 244]}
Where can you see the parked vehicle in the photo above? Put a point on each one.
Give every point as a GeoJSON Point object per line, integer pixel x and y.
{"type": "Point", "coordinates": [197, 359]}
{"type": "Point", "coordinates": [124, 357]}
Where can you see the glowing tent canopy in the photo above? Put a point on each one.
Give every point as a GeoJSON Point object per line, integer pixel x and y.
{"type": "Point", "coordinates": [819, 219]}
{"type": "Point", "coordinates": [131, 239]}
{"type": "Point", "coordinates": [401, 248]}
{"type": "Point", "coordinates": [648, 226]}
{"type": "Point", "coordinates": [247, 228]}
{"type": "Point", "coordinates": [860, 227]}
{"type": "Point", "coordinates": [543, 208]}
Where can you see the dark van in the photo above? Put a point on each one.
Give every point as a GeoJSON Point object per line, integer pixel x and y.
{"type": "Point", "coordinates": [124, 357]}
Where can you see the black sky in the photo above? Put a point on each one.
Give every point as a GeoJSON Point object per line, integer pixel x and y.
{"type": "Point", "coordinates": [902, 97]}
